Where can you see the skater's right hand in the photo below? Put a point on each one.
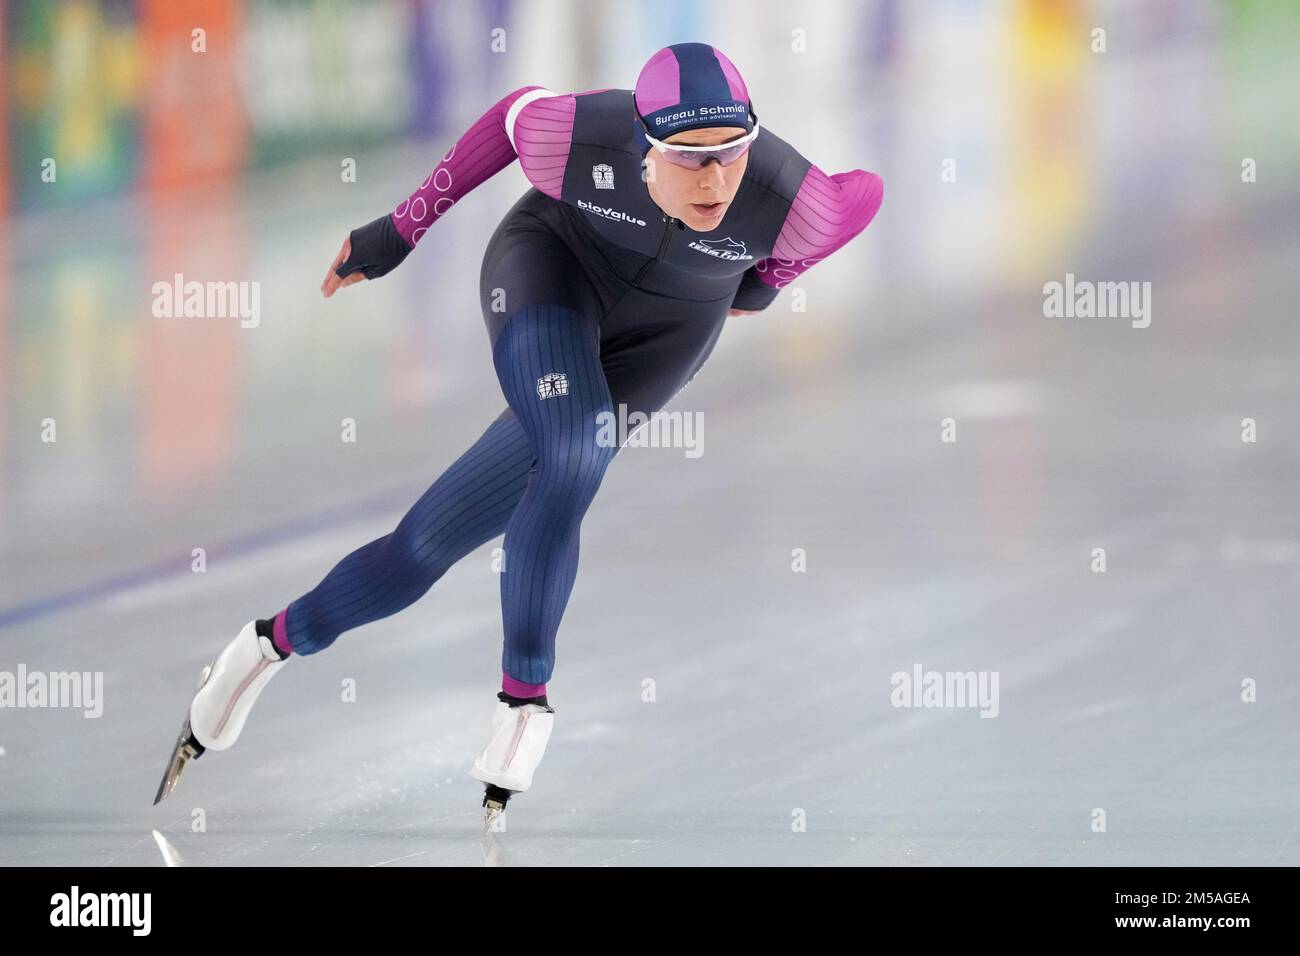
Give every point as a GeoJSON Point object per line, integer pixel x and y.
{"type": "Point", "coordinates": [332, 282]}
{"type": "Point", "coordinates": [369, 251]}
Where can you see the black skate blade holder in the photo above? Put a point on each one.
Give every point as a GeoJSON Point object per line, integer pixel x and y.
{"type": "Point", "coordinates": [496, 797]}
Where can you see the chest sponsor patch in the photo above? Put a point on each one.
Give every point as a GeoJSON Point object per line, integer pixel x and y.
{"type": "Point", "coordinates": [727, 248]}
{"type": "Point", "coordinates": [608, 212]}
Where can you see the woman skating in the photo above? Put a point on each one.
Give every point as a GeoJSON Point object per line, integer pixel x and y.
{"type": "Point", "coordinates": [653, 215]}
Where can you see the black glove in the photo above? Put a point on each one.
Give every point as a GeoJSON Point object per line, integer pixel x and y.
{"type": "Point", "coordinates": [377, 249]}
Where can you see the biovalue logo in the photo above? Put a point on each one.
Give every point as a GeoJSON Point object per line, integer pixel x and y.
{"type": "Point", "coordinates": [727, 248]}
{"type": "Point", "coordinates": [609, 213]}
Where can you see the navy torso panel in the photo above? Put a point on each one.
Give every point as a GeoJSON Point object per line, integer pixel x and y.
{"type": "Point", "coordinates": [605, 199]}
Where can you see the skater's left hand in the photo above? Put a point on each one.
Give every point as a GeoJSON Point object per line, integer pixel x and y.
{"type": "Point", "coordinates": [731, 312]}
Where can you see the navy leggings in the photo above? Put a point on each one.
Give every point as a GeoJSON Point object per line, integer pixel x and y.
{"type": "Point", "coordinates": [567, 344]}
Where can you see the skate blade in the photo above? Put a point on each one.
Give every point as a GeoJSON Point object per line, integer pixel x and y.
{"type": "Point", "coordinates": [494, 809]}
{"type": "Point", "coordinates": [187, 748]}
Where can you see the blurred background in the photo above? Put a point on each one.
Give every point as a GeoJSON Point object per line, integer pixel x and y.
{"type": "Point", "coordinates": [822, 430]}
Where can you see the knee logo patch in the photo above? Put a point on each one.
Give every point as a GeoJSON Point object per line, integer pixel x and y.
{"type": "Point", "coordinates": [552, 384]}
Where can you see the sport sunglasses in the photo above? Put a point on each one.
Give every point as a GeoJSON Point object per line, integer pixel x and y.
{"type": "Point", "coordinates": [694, 157]}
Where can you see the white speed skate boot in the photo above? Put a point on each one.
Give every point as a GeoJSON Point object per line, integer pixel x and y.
{"type": "Point", "coordinates": [226, 692]}
{"type": "Point", "coordinates": [520, 729]}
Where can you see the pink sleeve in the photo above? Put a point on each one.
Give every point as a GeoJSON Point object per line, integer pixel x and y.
{"type": "Point", "coordinates": [541, 131]}
{"type": "Point", "coordinates": [827, 212]}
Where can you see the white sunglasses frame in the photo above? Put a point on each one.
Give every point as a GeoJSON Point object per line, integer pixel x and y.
{"type": "Point", "coordinates": [665, 147]}
{"type": "Point", "coordinates": [730, 144]}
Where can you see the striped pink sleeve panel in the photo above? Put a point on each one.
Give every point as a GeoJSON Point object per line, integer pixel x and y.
{"type": "Point", "coordinates": [542, 131]}
{"type": "Point", "coordinates": [827, 212]}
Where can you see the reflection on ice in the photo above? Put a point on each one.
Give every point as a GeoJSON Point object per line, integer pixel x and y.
{"type": "Point", "coordinates": [171, 856]}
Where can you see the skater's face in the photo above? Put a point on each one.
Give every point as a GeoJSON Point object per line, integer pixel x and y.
{"type": "Point", "coordinates": [698, 197]}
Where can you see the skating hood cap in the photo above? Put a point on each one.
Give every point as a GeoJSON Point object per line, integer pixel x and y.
{"type": "Point", "coordinates": [690, 86]}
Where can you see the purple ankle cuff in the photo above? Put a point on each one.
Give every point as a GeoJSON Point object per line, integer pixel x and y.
{"type": "Point", "coordinates": [517, 688]}
{"type": "Point", "coordinates": [279, 637]}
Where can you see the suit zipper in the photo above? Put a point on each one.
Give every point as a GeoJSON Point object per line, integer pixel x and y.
{"type": "Point", "coordinates": [669, 222]}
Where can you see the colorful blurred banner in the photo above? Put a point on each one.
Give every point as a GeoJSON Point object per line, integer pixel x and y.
{"type": "Point", "coordinates": [5, 165]}
{"type": "Point", "coordinates": [323, 72]}
{"type": "Point", "coordinates": [167, 92]}
{"type": "Point", "coordinates": [5, 282]}
{"type": "Point", "coordinates": [191, 75]}
{"type": "Point", "coordinates": [74, 74]}
{"type": "Point", "coordinates": [1262, 57]}
{"type": "Point", "coordinates": [1053, 189]}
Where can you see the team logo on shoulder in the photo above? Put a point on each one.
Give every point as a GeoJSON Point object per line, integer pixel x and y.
{"type": "Point", "coordinates": [552, 384]}
{"type": "Point", "coordinates": [603, 175]}
{"type": "Point", "coordinates": [727, 248]}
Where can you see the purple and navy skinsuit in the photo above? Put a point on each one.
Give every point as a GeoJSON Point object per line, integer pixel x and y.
{"type": "Point", "coordinates": [593, 298]}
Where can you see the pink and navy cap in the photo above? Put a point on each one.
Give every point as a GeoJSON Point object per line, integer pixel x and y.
{"type": "Point", "coordinates": [688, 86]}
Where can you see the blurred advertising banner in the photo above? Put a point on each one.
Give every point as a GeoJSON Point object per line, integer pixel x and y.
{"type": "Point", "coordinates": [1259, 57]}
{"type": "Point", "coordinates": [196, 129]}
{"type": "Point", "coordinates": [104, 95]}
{"type": "Point", "coordinates": [191, 104]}
{"type": "Point", "coordinates": [322, 72]}
{"type": "Point", "coordinates": [6, 282]}
{"type": "Point", "coordinates": [5, 165]}
{"type": "Point", "coordinates": [73, 73]}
